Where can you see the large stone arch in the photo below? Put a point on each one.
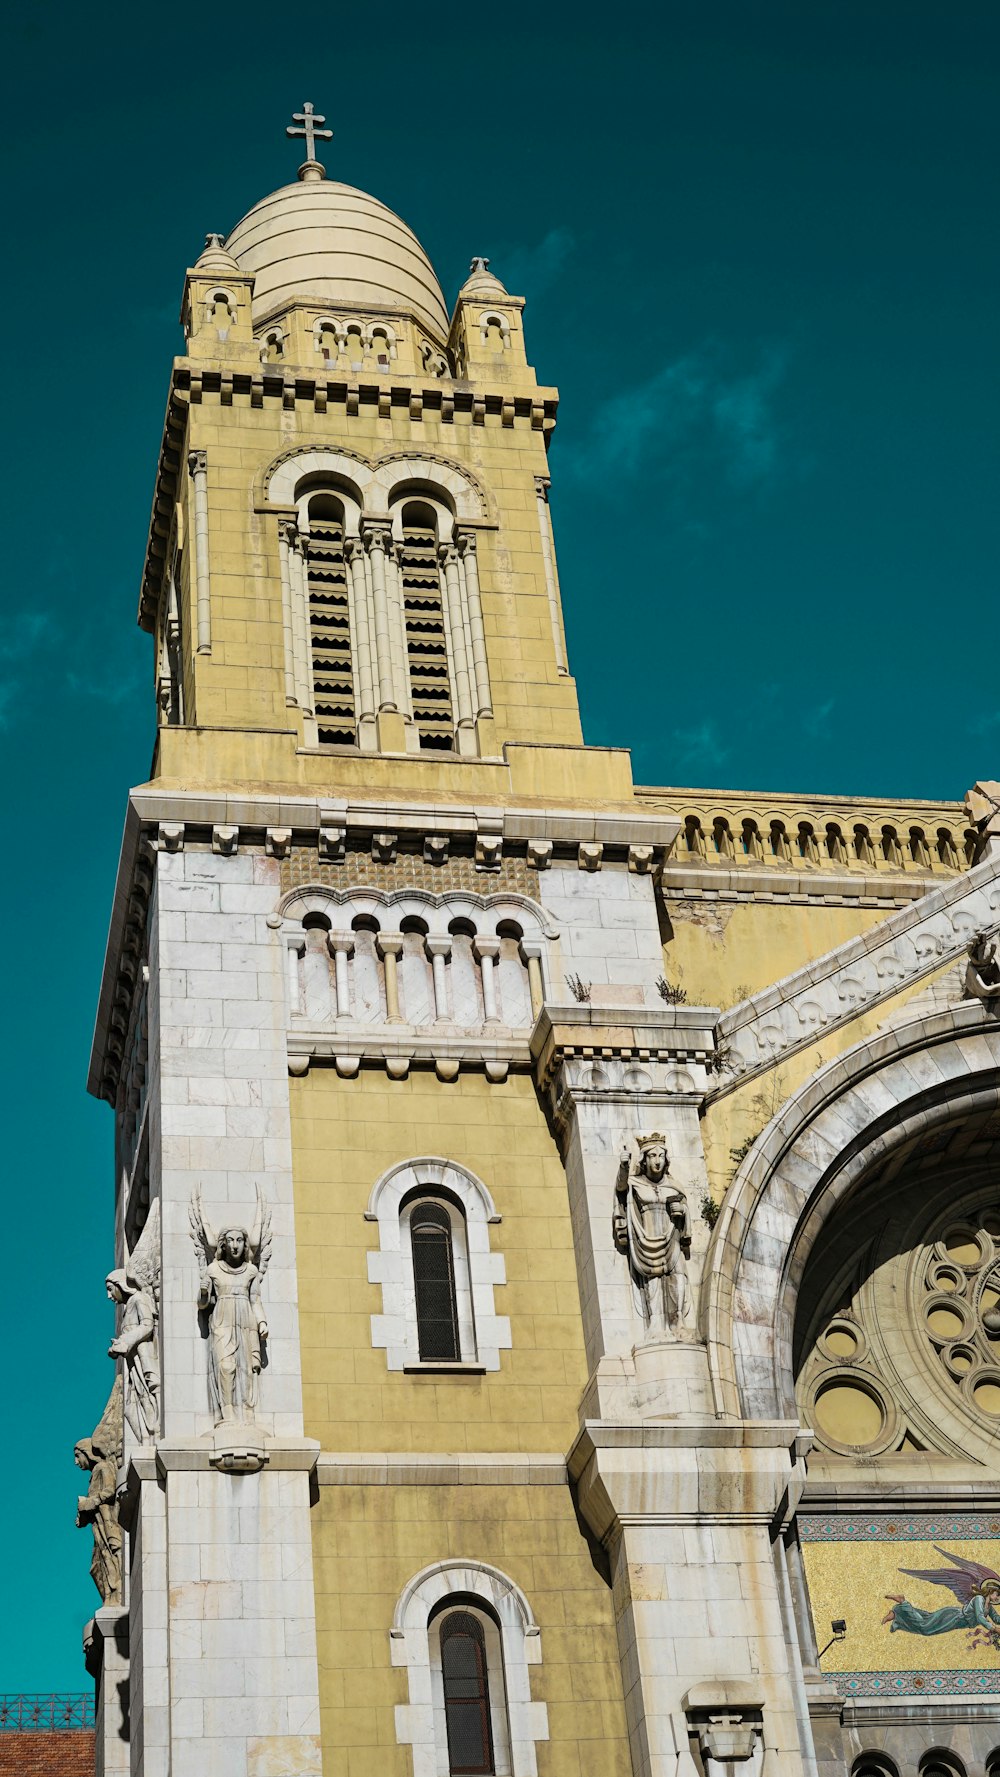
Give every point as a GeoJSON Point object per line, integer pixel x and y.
{"type": "Point", "coordinates": [825, 1140]}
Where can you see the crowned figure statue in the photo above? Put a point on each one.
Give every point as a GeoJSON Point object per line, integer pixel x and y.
{"type": "Point", "coordinates": [651, 1225]}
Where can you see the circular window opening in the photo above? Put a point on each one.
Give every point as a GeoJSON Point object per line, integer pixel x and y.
{"type": "Point", "coordinates": [849, 1414]}
{"type": "Point", "coordinates": [841, 1341]}
{"type": "Point", "coordinates": [945, 1322]}
{"type": "Point", "coordinates": [960, 1359]}
{"type": "Point", "coordinates": [986, 1395]}
{"type": "Point", "coordinates": [962, 1246]}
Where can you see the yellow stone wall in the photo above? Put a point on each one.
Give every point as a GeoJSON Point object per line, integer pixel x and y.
{"type": "Point", "coordinates": [240, 684]}
{"type": "Point", "coordinates": [719, 951]}
{"type": "Point", "coordinates": [345, 1134]}
{"type": "Point", "coordinates": [369, 1541]}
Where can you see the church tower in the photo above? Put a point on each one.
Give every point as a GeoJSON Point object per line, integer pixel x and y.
{"type": "Point", "coordinates": [460, 1433]}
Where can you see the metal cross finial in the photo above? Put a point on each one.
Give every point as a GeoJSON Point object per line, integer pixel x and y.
{"type": "Point", "coordinates": [307, 118]}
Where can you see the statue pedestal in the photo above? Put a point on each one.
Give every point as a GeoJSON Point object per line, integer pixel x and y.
{"type": "Point", "coordinates": [238, 1449]}
{"type": "Point", "coordinates": [665, 1380]}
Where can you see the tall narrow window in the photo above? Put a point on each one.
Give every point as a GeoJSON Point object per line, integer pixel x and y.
{"type": "Point", "coordinates": [426, 643]}
{"type": "Point", "coordinates": [466, 1695]}
{"type": "Point", "coordinates": [330, 624]}
{"type": "Point", "coordinates": [434, 1284]}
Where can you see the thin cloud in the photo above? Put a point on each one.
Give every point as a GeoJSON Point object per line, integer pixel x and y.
{"type": "Point", "coordinates": [529, 271]}
{"type": "Point", "coordinates": [817, 723]}
{"type": "Point", "coordinates": [21, 637]}
{"type": "Point", "coordinates": [691, 414]}
{"type": "Point", "coordinates": [702, 747]}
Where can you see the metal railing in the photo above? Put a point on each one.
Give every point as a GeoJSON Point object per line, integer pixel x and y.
{"type": "Point", "coordinates": [54, 1713]}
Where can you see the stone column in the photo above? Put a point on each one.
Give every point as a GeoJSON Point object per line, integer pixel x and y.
{"type": "Point", "coordinates": [363, 670]}
{"type": "Point", "coordinates": [551, 575]}
{"type": "Point", "coordinates": [299, 589]}
{"type": "Point", "coordinates": [198, 470]}
{"type": "Point", "coordinates": [377, 541]}
{"type": "Point", "coordinates": [486, 951]}
{"type": "Point", "coordinates": [285, 532]}
{"type": "Point", "coordinates": [342, 948]}
{"type": "Point", "coordinates": [439, 950]}
{"type": "Point", "coordinates": [451, 588]}
{"type": "Point", "coordinates": [296, 951]}
{"type": "Point", "coordinates": [474, 604]}
{"type": "Point", "coordinates": [390, 948]}
{"type": "Point", "coordinates": [531, 956]}
{"type": "Point", "coordinates": [397, 631]}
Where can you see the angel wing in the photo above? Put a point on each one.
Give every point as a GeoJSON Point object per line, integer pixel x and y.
{"type": "Point", "coordinates": [965, 1579]}
{"type": "Point", "coordinates": [203, 1235]}
{"type": "Point", "coordinates": [260, 1234]}
{"type": "Point", "coordinates": [143, 1263]}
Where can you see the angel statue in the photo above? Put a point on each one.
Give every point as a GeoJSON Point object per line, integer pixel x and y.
{"type": "Point", "coordinates": [231, 1267]}
{"type": "Point", "coordinates": [651, 1224]}
{"type": "Point", "coordinates": [135, 1286]}
{"type": "Point", "coordinates": [101, 1455]}
{"type": "Point", "coordinates": [976, 1587]}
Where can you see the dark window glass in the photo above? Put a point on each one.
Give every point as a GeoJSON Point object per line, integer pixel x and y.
{"type": "Point", "coordinates": [434, 1278]}
{"type": "Point", "coordinates": [466, 1695]}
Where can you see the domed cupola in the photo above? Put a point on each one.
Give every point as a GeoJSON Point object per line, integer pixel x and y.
{"type": "Point", "coordinates": [330, 243]}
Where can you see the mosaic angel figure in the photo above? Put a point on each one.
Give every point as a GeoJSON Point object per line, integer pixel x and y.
{"type": "Point", "coordinates": [231, 1267]}
{"type": "Point", "coordinates": [135, 1287]}
{"type": "Point", "coordinates": [977, 1589]}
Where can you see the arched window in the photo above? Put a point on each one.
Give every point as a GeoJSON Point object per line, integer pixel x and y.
{"type": "Point", "coordinates": [873, 1764]}
{"type": "Point", "coordinates": [780, 846]}
{"type": "Point", "coordinates": [466, 1635]}
{"type": "Point", "coordinates": [438, 1337]}
{"type": "Point", "coordinates": [436, 1268]}
{"type": "Point", "coordinates": [423, 615]}
{"type": "Point", "coordinates": [836, 846]}
{"type": "Point", "coordinates": [694, 837]}
{"type": "Point", "coordinates": [940, 1763]}
{"type": "Point", "coordinates": [466, 1685]}
{"type": "Point", "coordinates": [329, 623]}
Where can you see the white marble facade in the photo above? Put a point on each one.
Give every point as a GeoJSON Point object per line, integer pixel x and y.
{"type": "Point", "coordinates": [689, 1460]}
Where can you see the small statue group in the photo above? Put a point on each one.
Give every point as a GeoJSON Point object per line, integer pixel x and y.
{"type": "Point", "coordinates": [101, 1456]}
{"type": "Point", "coordinates": [231, 1266]}
{"type": "Point", "coordinates": [650, 1223]}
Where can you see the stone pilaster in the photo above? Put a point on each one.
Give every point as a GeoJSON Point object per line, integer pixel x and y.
{"type": "Point", "coordinates": [611, 1074]}
{"type": "Point", "coordinates": [688, 1515]}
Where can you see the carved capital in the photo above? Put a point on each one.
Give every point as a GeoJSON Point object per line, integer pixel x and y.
{"type": "Point", "coordinates": [466, 543]}
{"type": "Point", "coordinates": [197, 462]}
{"type": "Point", "coordinates": [377, 535]}
{"type": "Point", "coordinates": [447, 554]}
{"type": "Point", "coordinates": [288, 531]}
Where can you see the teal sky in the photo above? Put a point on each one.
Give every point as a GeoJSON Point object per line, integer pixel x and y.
{"type": "Point", "coordinates": [759, 246]}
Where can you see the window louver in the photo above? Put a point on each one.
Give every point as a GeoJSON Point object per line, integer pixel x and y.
{"type": "Point", "coordinates": [330, 634]}
{"type": "Point", "coordinates": [434, 1283]}
{"type": "Point", "coordinates": [426, 646]}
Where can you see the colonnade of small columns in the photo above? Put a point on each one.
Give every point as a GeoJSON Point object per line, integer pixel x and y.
{"type": "Point", "coordinates": [313, 994]}
{"type": "Point", "coordinates": [875, 847]}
